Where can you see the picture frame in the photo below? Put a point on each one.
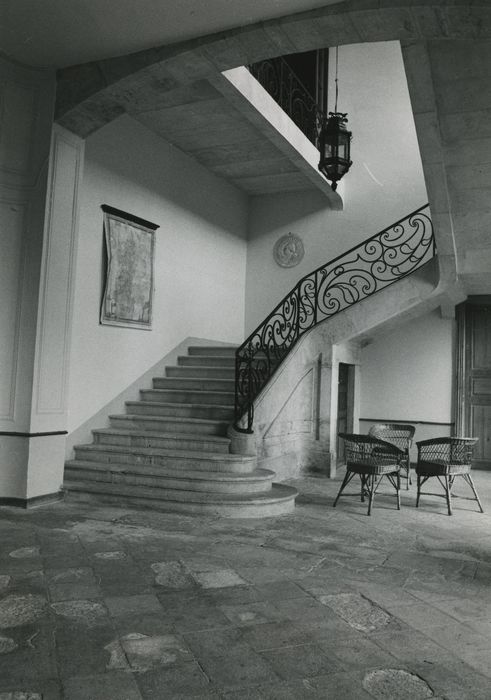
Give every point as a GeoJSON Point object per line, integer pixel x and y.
{"type": "Point", "coordinates": [129, 242]}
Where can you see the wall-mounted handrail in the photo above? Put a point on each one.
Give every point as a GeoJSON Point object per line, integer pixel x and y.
{"type": "Point", "coordinates": [374, 264]}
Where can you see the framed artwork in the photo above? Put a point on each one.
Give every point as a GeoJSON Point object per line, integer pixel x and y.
{"type": "Point", "coordinates": [128, 284]}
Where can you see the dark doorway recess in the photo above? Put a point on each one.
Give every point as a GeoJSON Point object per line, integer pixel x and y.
{"type": "Point", "coordinates": [346, 392]}
{"type": "Point", "coordinates": [473, 402]}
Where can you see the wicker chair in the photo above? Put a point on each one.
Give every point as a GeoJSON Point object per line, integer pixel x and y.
{"type": "Point", "coordinates": [371, 459]}
{"type": "Point", "coordinates": [400, 435]}
{"type": "Point", "coordinates": [446, 458]}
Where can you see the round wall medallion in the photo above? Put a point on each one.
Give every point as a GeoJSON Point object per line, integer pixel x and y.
{"type": "Point", "coordinates": [288, 250]}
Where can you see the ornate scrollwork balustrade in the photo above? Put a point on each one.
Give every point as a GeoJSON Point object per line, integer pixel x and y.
{"type": "Point", "coordinates": [286, 88]}
{"type": "Point", "coordinates": [376, 263]}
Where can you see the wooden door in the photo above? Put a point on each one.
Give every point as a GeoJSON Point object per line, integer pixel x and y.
{"type": "Point", "coordinates": [474, 401]}
{"type": "Point", "coordinates": [345, 405]}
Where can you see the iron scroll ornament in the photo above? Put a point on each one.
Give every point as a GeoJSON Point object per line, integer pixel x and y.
{"type": "Point", "coordinates": [378, 262]}
{"type": "Point", "coordinates": [286, 88]}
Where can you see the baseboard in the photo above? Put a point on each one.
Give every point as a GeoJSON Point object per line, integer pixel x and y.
{"type": "Point", "coordinates": [34, 502]}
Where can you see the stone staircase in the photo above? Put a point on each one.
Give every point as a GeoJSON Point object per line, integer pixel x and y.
{"type": "Point", "coordinates": [170, 450]}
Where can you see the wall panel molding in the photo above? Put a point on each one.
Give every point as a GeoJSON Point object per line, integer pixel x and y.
{"type": "Point", "coordinates": [57, 276]}
{"type": "Point", "coordinates": [12, 272]}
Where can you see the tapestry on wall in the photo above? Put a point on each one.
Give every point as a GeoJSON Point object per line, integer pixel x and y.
{"type": "Point", "coordinates": [128, 288]}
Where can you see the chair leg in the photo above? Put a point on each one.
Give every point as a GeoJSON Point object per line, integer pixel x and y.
{"type": "Point", "coordinates": [418, 493]}
{"type": "Point", "coordinates": [373, 484]}
{"type": "Point", "coordinates": [448, 486]}
{"type": "Point", "coordinates": [470, 481]}
{"type": "Point", "coordinates": [371, 492]}
{"type": "Point", "coordinates": [347, 478]}
{"type": "Point", "coordinates": [363, 481]}
{"type": "Point", "coordinates": [407, 467]}
{"type": "Point", "coordinates": [398, 489]}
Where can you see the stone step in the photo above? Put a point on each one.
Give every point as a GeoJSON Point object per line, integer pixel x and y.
{"type": "Point", "coordinates": [206, 360]}
{"type": "Point", "coordinates": [158, 477]}
{"type": "Point", "coordinates": [182, 410]}
{"type": "Point", "coordinates": [227, 350]}
{"type": "Point", "coordinates": [280, 500]}
{"type": "Point", "coordinates": [175, 459]}
{"type": "Point", "coordinates": [194, 384]}
{"type": "Point", "coordinates": [201, 371]}
{"type": "Point", "coordinates": [156, 440]}
{"type": "Point", "coordinates": [223, 398]}
{"type": "Point", "coordinates": [169, 424]}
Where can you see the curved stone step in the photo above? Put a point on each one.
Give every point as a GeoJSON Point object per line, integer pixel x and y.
{"type": "Point", "coordinates": [166, 441]}
{"type": "Point", "coordinates": [194, 383]}
{"type": "Point", "coordinates": [169, 424]}
{"type": "Point", "coordinates": [184, 410]}
{"type": "Point", "coordinates": [223, 398]}
{"type": "Point", "coordinates": [158, 477]}
{"type": "Point", "coordinates": [201, 372]}
{"type": "Point", "coordinates": [279, 501]}
{"type": "Point", "coordinates": [178, 459]}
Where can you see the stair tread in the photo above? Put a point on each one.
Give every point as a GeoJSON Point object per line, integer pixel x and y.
{"type": "Point", "coordinates": [173, 404]}
{"type": "Point", "coordinates": [198, 454]}
{"type": "Point", "coordinates": [161, 434]}
{"type": "Point", "coordinates": [152, 470]}
{"type": "Point", "coordinates": [193, 367]}
{"type": "Point", "coordinates": [193, 391]}
{"type": "Point", "coordinates": [278, 492]}
{"type": "Point", "coordinates": [201, 380]}
{"type": "Point", "coordinates": [168, 419]}
{"type": "Point", "coordinates": [191, 348]}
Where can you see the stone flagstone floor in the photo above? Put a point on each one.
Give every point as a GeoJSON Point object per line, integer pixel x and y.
{"type": "Point", "coordinates": [103, 603]}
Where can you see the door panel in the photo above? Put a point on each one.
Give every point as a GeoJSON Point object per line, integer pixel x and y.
{"type": "Point", "coordinates": [345, 406]}
{"type": "Point", "coordinates": [477, 378]}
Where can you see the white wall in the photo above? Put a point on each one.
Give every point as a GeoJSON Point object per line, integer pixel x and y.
{"type": "Point", "coordinates": [199, 260]}
{"type": "Point", "coordinates": [407, 375]}
{"type": "Point", "coordinates": [384, 184]}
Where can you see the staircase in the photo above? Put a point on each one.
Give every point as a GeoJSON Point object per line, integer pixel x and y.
{"type": "Point", "coordinates": [170, 450]}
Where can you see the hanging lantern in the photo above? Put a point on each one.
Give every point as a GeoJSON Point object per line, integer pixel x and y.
{"type": "Point", "coordinates": [334, 146]}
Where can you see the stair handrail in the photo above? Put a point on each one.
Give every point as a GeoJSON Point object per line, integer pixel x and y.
{"type": "Point", "coordinates": [384, 258]}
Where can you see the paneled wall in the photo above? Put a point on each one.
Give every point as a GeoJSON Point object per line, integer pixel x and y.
{"type": "Point", "coordinates": [26, 107]}
{"type": "Point", "coordinates": [38, 218]}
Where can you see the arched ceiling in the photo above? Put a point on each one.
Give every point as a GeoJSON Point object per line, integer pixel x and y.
{"type": "Point", "coordinates": [57, 33]}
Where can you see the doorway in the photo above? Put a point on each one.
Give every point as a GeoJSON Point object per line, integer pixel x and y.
{"type": "Point", "coordinates": [473, 404]}
{"type": "Point", "coordinates": [346, 396]}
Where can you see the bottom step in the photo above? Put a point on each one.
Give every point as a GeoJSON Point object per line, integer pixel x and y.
{"type": "Point", "coordinates": [280, 500]}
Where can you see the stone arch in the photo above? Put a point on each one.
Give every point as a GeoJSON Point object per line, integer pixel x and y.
{"type": "Point", "coordinates": [94, 94]}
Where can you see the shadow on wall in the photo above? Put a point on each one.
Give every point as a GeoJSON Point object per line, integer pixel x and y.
{"type": "Point", "coordinates": [150, 164]}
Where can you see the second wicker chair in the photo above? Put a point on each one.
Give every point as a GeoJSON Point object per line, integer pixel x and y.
{"type": "Point", "coordinates": [446, 458]}
{"type": "Point", "coordinates": [371, 459]}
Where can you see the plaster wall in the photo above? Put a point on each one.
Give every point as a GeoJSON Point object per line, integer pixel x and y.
{"type": "Point", "coordinates": [407, 376]}
{"type": "Point", "coordinates": [199, 260]}
{"type": "Point", "coordinates": [384, 184]}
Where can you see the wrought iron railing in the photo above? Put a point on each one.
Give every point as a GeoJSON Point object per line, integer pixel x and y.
{"type": "Point", "coordinates": [286, 88]}
{"type": "Point", "coordinates": [376, 263]}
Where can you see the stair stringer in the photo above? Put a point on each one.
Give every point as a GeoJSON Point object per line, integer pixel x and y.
{"type": "Point", "coordinates": [293, 432]}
